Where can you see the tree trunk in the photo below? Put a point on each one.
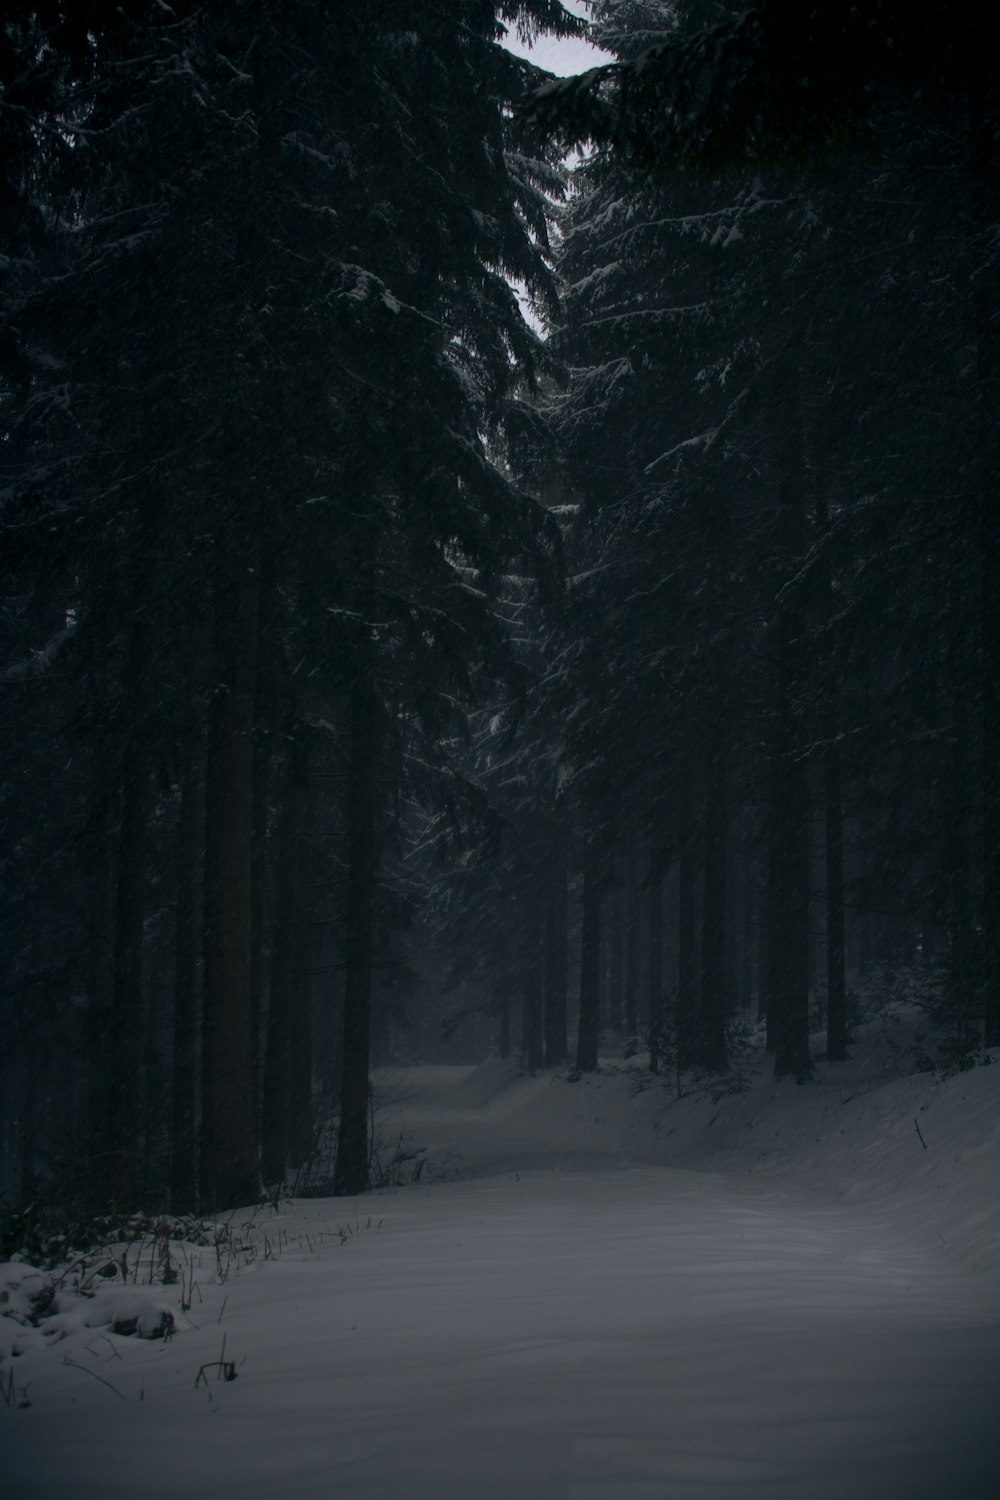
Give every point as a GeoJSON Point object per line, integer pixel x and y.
{"type": "Point", "coordinates": [351, 1175]}
{"type": "Point", "coordinates": [100, 945]}
{"type": "Point", "coordinates": [259, 897]}
{"type": "Point", "coordinates": [686, 963]}
{"type": "Point", "coordinates": [655, 1013]}
{"type": "Point", "coordinates": [590, 961]}
{"type": "Point", "coordinates": [616, 952]}
{"type": "Point", "coordinates": [504, 1025]}
{"type": "Point", "coordinates": [836, 982]}
{"type": "Point", "coordinates": [987, 330]}
{"type": "Point", "coordinates": [836, 977]}
{"type": "Point", "coordinates": [275, 1102]}
{"type": "Point", "coordinates": [229, 1174]}
{"type": "Point", "coordinates": [788, 960]}
{"type": "Point", "coordinates": [184, 1086]}
{"type": "Point", "coordinates": [632, 933]}
{"type": "Point", "coordinates": [127, 988]}
{"type": "Point", "coordinates": [712, 1028]}
{"type": "Point", "coordinates": [556, 976]}
{"type": "Point", "coordinates": [301, 1122]}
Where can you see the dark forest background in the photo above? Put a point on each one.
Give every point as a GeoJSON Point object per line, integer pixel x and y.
{"type": "Point", "coordinates": [451, 602]}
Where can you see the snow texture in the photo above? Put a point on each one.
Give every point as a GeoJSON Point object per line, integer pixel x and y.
{"type": "Point", "coordinates": [595, 1292]}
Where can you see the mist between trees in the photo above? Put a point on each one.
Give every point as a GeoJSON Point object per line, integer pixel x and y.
{"type": "Point", "coordinates": [385, 680]}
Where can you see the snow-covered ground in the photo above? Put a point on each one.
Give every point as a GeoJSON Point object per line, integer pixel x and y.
{"type": "Point", "coordinates": [594, 1291]}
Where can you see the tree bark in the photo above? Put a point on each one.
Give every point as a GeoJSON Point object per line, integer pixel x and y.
{"type": "Point", "coordinates": [127, 988]}
{"type": "Point", "coordinates": [556, 975]}
{"type": "Point", "coordinates": [616, 951]}
{"type": "Point", "coordinates": [504, 1025]}
{"type": "Point", "coordinates": [836, 981]}
{"type": "Point", "coordinates": [590, 961]}
{"type": "Point", "coordinates": [632, 930]}
{"type": "Point", "coordinates": [184, 1086]}
{"type": "Point", "coordinates": [686, 962]}
{"type": "Point", "coordinates": [351, 1173]}
{"type": "Point", "coordinates": [788, 961]}
{"type": "Point", "coordinates": [100, 945]}
{"type": "Point", "coordinates": [712, 1027]}
{"type": "Point", "coordinates": [655, 993]}
{"type": "Point", "coordinates": [985, 155]}
{"type": "Point", "coordinates": [275, 1102]}
{"type": "Point", "coordinates": [229, 1173]}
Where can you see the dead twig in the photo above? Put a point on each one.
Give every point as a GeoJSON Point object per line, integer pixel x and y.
{"type": "Point", "coordinates": [73, 1365]}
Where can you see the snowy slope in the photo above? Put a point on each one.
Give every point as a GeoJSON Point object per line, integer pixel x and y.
{"type": "Point", "coordinates": [779, 1292]}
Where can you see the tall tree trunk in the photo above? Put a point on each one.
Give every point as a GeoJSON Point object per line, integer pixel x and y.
{"type": "Point", "coordinates": [961, 918]}
{"type": "Point", "coordinates": [275, 1104]}
{"type": "Point", "coordinates": [504, 1025]}
{"type": "Point", "coordinates": [28, 1122]}
{"type": "Point", "coordinates": [301, 1122]}
{"type": "Point", "coordinates": [712, 1028]}
{"type": "Point", "coordinates": [229, 1173]}
{"type": "Point", "coordinates": [836, 981]}
{"type": "Point", "coordinates": [985, 133]}
{"type": "Point", "coordinates": [655, 992]}
{"type": "Point", "coordinates": [532, 982]}
{"type": "Point", "coordinates": [590, 961]}
{"type": "Point", "coordinates": [351, 1174]}
{"type": "Point", "coordinates": [836, 934]}
{"type": "Point", "coordinates": [632, 933]}
{"type": "Point", "coordinates": [686, 961]}
{"type": "Point", "coordinates": [259, 893]}
{"type": "Point", "coordinates": [184, 1087]}
{"type": "Point", "coordinates": [556, 975]}
{"type": "Point", "coordinates": [616, 952]}
{"type": "Point", "coordinates": [127, 988]}
{"type": "Point", "coordinates": [789, 958]}
{"type": "Point", "coordinates": [100, 944]}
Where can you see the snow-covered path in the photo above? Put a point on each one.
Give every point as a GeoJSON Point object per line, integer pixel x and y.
{"type": "Point", "coordinates": [550, 1333]}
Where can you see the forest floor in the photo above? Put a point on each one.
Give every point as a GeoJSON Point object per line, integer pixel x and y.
{"type": "Point", "coordinates": [595, 1291]}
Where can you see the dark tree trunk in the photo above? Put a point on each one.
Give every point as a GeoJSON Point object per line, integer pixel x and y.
{"type": "Point", "coordinates": [229, 1174]}
{"type": "Point", "coordinates": [961, 918]}
{"type": "Point", "coordinates": [259, 896]}
{"type": "Point", "coordinates": [590, 961]}
{"type": "Point", "coordinates": [505, 1025]}
{"type": "Point", "coordinates": [301, 1122]}
{"type": "Point", "coordinates": [127, 987]}
{"type": "Point", "coordinates": [556, 975]}
{"type": "Point", "coordinates": [836, 977]}
{"type": "Point", "coordinates": [532, 974]}
{"type": "Point", "coordinates": [532, 983]}
{"type": "Point", "coordinates": [28, 1123]}
{"type": "Point", "coordinates": [655, 1014]}
{"type": "Point", "coordinates": [351, 1175]}
{"type": "Point", "coordinates": [632, 930]}
{"type": "Point", "coordinates": [788, 961]}
{"type": "Point", "coordinates": [616, 954]}
{"type": "Point", "coordinates": [836, 981]}
{"type": "Point", "coordinates": [712, 1027]}
{"type": "Point", "coordinates": [184, 1086]}
{"type": "Point", "coordinates": [686, 961]}
{"type": "Point", "coordinates": [987, 329]}
{"type": "Point", "coordinates": [99, 948]}
{"type": "Point", "coordinates": [275, 1104]}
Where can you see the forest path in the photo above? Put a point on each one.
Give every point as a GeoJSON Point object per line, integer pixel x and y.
{"type": "Point", "coordinates": [549, 1330]}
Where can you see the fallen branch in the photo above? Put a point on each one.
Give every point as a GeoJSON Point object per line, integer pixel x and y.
{"type": "Point", "coordinates": [920, 1133]}
{"type": "Point", "coordinates": [225, 1367]}
{"type": "Point", "coordinates": [73, 1365]}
